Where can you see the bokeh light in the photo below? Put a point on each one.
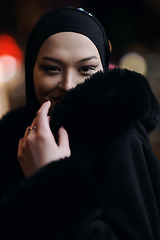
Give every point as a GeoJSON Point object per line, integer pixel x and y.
{"type": "Point", "coordinates": [134, 61]}
{"type": "Point", "coordinates": [11, 61]}
{"type": "Point", "coordinates": [11, 58]}
{"type": "Point", "coordinates": [8, 46]}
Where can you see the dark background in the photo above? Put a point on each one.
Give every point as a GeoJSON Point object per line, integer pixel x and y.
{"type": "Point", "coordinates": [125, 22]}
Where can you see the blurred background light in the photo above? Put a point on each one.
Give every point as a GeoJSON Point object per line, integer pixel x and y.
{"type": "Point", "coordinates": [11, 61]}
{"type": "Point", "coordinates": [153, 61]}
{"type": "Point", "coordinates": [11, 58]}
{"type": "Point", "coordinates": [8, 67]}
{"type": "Point", "coordinates": [1, 73]}
{"type": "Point", "coordinates": [112, 65]}
{"type": "Point", "coordinates": [8, 46]}
{"type": "Point", "coordinates": [134, 61]}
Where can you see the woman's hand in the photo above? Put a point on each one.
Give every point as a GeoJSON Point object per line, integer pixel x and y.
{"type": "Point", "coordinates": [38, 147]}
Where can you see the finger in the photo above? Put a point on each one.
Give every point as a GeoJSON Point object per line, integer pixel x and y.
{"type": "Point", "coordinates": [20, 142]}
{"type": "Point", "coordinates": [42, 119]}
{"type": "Point", "coordinates": [28, 128]}
{"type": "Point", "coordinates": [63, 140]}
{"type": "Point", "coordinates": [27, 131]}
{"type": "Point", "coordinates": [33, 128]}
{"type": "Point", "coordinates": [20, 145]}
{"type": "Point", "coordinates": [34, 123]}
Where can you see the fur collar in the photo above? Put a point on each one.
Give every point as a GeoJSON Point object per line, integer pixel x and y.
{"type": "Point", "coordinates": [105, 105]}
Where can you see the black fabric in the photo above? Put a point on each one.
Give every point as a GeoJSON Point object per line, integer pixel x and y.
{"type": "Point", "coordinates": [66, 19]}
{"type": "Point", "coordinates": [123, 101]}
{"type": "Point", "coordinates": [108, 188]}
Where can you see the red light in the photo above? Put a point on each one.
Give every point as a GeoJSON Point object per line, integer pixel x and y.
{"type": "Point", "coordinates": [8, 46]}
{"type": "Point", "coordinates": [111, 66]}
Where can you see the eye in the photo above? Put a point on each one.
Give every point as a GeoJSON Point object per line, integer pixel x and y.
{"type": "Point", "coordinates": [87, 69]}
{"type": "Point", "coordinates": [52, 70]}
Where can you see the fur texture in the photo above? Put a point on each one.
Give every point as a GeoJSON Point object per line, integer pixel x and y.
{"type": "Point", "coordinates": [111, 191]}
{"type": "Point", "coordinates": [112, 101]}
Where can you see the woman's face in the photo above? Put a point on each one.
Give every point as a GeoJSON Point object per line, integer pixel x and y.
{"type": "Point", "coordinates": [64, 60]}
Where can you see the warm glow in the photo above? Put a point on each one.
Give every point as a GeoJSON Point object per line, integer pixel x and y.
{"type": "Point", "coordinates": [8, 46]}
{"type": "Point", "coordinates": [11, 58]}
{"type": "Point", "coordinates": [8, 67]}
{"type": "Point", "coordinates": [1, 74]}
{"type": "Point", "coordinates": [112, 65]}
{"type": "Point", "coordinates": [135, 62]}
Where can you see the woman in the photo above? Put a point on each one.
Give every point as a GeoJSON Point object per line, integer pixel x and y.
{"type": "Point", "coordinates": [87, 171]}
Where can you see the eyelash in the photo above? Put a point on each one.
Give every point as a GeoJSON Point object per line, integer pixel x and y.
{"type": "Point", "coordinates": [49, 68]}
{"type": "Point", "coordinates": [88, 68]}
{"type": "Point", "coordinates": [85, 69]}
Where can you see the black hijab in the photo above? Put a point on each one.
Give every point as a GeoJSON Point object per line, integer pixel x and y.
{"type": "Point", "coordinates": [66, 19]}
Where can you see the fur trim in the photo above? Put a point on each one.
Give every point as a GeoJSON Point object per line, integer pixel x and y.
{"type": "Point", "coordinates": [107, 104]}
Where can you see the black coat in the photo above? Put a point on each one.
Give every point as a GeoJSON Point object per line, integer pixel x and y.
{"type": "Point", "coordinates": [110, 186]}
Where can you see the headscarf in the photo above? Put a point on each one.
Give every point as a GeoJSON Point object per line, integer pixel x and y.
{"type": "Point", "coordinates": [65, 19]}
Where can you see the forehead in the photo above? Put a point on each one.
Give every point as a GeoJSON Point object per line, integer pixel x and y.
{"type": "Point", "coordinates": [70, 42]}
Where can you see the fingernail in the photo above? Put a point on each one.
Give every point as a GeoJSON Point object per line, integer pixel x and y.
{"type": "Point", "coordinates": [48, 101]}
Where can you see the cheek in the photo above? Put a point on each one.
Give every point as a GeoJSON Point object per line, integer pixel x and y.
{"type": "Point", "coordinates": [43, 86]}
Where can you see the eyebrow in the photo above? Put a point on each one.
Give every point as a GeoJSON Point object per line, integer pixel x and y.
{"type": "Point", "coordinates": [57, 60]}
{"type": "Point", "coordinates": [87, 58]}
{"type": "Point", "coordinates": [51, 59]}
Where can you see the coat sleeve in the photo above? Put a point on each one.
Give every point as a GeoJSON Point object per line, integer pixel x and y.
{"type": "Point", "coordinates": [62, 201]}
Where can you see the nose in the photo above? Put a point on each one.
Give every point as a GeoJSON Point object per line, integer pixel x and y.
{"type": "Point", "coordinates": [67, 81]}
